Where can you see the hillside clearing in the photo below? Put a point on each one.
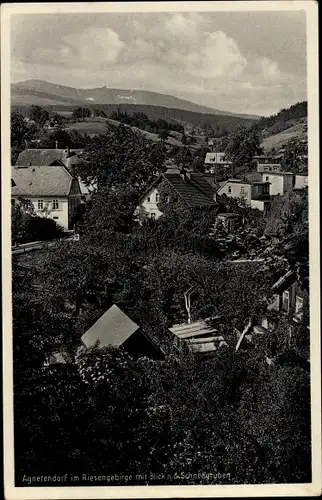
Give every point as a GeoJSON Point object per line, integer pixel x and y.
{"type": "Point", "coordinates": [277, 141]}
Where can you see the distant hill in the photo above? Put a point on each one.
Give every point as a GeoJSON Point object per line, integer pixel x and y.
{"type": "Point", "coordinates": [49, 94]}
{"type": "Point", "coordinates": [187, 118]}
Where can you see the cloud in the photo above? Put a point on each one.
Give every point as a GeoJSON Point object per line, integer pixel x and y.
{"type": "Point", "coordinates": [208, 58]}
{"type": "Point", "coordinates": [94, 48]}
{"type": "Point", "coordinates": [269, 69]}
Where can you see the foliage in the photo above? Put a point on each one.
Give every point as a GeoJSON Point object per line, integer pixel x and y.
{"type": "Point", "coordinates": [27, 227]}
{"type": "Point", "coordinates": [39, 115]}
{"type": "Point", "coordinates": [141, 121]}
{"type": "Point", "coordinates": [232, 412]}
{"type": "Point", "coordinates": [163, 134]}
{"type": "Point", "coordinates": [119, 156]}
{"type": "Point", "coordinates": [81, 113]}
{"type": "Point", "coordinates": [71, 138]}
{"type": "Point", "coordinates": [19, 134]}
{"type": "Point", "coordinates": [242, 147]}
{"type": "Point", "coordinates": [295, 157]}
{"type": "Point", "coordinates": [282, 118]}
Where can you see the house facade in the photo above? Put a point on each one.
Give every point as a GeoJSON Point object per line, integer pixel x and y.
{"type": "Point", "coordinates": [195, 190]}
{"type": "Point", "coordinates": [301, 181]}
{"type": "Point", "coordinates": [53, 192]}
{"type": "Point", "coordinates": [216, 160]}
{"type": "Point", "coordinates": [280, 182]}
{"type": "Point", "coordinates": [255, 193]}
{"type": "Point", "coordinates": [268, 163]}
{"type": "Point", "coordinates": [290, 300]}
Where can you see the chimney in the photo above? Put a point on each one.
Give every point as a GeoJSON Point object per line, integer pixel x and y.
{"type": "Point", "coordinates": [56, 144]}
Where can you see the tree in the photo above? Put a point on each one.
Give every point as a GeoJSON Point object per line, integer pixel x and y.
{"type": "Point", "coordinates": [243, 146]}
{"type": "Point", "coordinates": [38, 115]}
{"type": "Point", "coordinates": [27, 226]}
{"type": "Point", "coordinates": [198, 164]}
{"type": "Point", "coordinates": [66, 138]}
{"type": "Point", "coordinates": [121, 155]}
{"type": "Point", "coordinates": [163, 134]}
{"type": "Point", "coordinates": [81, 113]}
{"type": "Point", "coordinates": [295, 157]}
{"type": "Point", "coordinates": [19, 134]}
{"type": "Point", "coordinates": [184, 157]}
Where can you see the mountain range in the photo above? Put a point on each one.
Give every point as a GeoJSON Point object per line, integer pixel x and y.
{"type": "Point", "coordinates": [45, 94]}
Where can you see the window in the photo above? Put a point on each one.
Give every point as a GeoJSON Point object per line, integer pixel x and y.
{"type": "Point", "coordinates": [267, 178]}
{"type": "Point", "coordinates": [229, 189]}
{"type": "Point", "coordinates": [286, 301]}
{"type": "Point", "coordinates": [299, 307]}
{"type": "Point", "coordinates": [40, 205]}
{"type": "Point", "coordinates": [152, 215]}
{"type": "Point", "coordinates": [149, 199]}
{"type": "Point", "coordinates": [266, 169]}
{"type": "Point", "coordinates": [55, 204]}
{"type": "Point", "coordinates": [242, 190]}
{"type": "Point", "coordinates": [157, 197]}
{"type": "Point", "coordinates": [56, 218]}
{"type": "Point", "coordinates": [13, 202]}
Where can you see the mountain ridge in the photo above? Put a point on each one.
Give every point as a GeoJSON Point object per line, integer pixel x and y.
{"type": "Point", "coordinates": [25, 91]}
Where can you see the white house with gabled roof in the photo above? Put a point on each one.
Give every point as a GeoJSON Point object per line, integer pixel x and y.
{"type": "Point", "coordinates": [52, 190]}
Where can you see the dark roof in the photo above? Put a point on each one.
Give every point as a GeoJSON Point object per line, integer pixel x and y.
{"type": "Point", "coordinates": [41, 181]}
{"type": "Point", "coordinates": [32, 157]}
{"type": "Point", "coordinates": [228, 214]}
{"type": "Point", "coordinates": [284, 282]}
{"type": "Point", "coordinates": [194, 189]}
{"type": "Point", "coordinates": [113, 328]}
{"type": "Point", "coordinates": [273, 157]}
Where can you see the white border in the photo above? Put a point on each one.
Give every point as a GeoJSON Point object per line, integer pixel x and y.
{"type": "Point", "coordinates": [312, 489]}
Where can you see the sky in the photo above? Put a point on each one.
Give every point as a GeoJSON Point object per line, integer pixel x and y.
{"type": "Point", "coordinates": [242, 62]}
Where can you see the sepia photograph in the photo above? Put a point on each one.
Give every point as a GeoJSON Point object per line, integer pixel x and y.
{"type": "Point", "coordinates": [161, 249]}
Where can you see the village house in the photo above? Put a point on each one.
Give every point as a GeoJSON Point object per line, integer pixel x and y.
{"type": "Point", "coordinates": [53, 192]}
{"type": "Point", "coordinates": [301, 181]}
{"type": "Point", "coordinates": [290, 300]}
{"type": "Point", "coordinates": [214, 161]}
{"type": "Point", "coordinates": [194, 189]}
{"type": "Point", "coordinates": [114, 328]}
{"type": "Point", "coordinates": [268, 163]}
{"type": "Point", "coordinates": [255, 193]}
{"type": "Point", "coordinates": [66, 157]}
{"type": "Point", "coordinates": [280, 182]}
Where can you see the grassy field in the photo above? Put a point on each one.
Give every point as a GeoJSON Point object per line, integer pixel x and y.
{"type": "Point", "coordinates": [100, 125]}
{"type": "Point", "coordinates": [278, 140]}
